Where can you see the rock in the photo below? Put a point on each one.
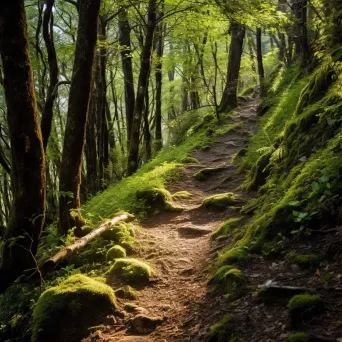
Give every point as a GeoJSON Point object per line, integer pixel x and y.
{"type": "Point", "coordinates": [115, 252]}
{"type": "Point", "coordinates": [75, 305]}
{"type": "Point", "coordinates": [220, 202]}
{"type": "Point", "coordinates": [126, 292]}
{"type": "Point", "coordinates": [143, 324]}
{"type": "Point", "coordinates": [193, 231]}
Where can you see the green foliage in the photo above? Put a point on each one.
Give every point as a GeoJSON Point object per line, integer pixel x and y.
{"type": "Point", "coordinates": [77, 303]}
{"type": "Point", "coordinates": [115, 252]}
{"type": "Point", "coordinates": [131, 271]}
{"type": "Point", "coordinates": [227, 228]}
{"type": "Point", "coordinates": [219, 202]}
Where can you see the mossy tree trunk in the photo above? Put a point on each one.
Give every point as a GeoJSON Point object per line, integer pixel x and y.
{"type": "Point", "coordinates": [261, 71]}
{"type": "Point", "coordinates": [229, 97]}
{"type": "Point", "coordinates": [28, 161]}
{"type": "Point", "coordinates": [74, 138]}
{"type": "Point", "coordinates": [133, 155]}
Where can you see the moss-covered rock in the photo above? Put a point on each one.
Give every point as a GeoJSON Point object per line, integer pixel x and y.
{"type": "Point", "coordinates": [222, 331]}
{"type": "Point", "coordinates": [298, 337]}
{"type": "Point", "coordinates": [227, 227]}
{"type": "Point", "coordinates": [304, 261]}
{"type": "Point", "coordinates": [303, 307]}
{"type": "Point", "coordinates": [190, 160]}
{"type": "Point", "coordinates": [115, 252]}
{"type": "Point", "coordinates": [204, 174]}
{"type": "Point", "coordinates": [65, 312]}
{"type": "Point", "coordinates": [126, 292]}
{"type": "Point", "coordinates": [121, 234]}
{"type": "Point", "coordinates": [229, 279]}
{"type": "Point", "coordinates": [233, 256]}
{"type": "Point", "coordinates": [130, 307]}
{"type": "Point", "coordinates": [182, 194]}
{"type": "Point", "coordinates": [155, 200]}
{"type": "Point", "coordinates": [131, 270]}
{"type": "Point", "coordinates": [220, 202]}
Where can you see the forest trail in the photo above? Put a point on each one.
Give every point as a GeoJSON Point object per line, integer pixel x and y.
{"type": "Point", "coordinates": [181, 259]}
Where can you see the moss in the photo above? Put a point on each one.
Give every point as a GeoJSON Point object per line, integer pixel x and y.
{"type": "Point", "coordinates": [189, 160]}
{"type": "Point", "coordinates": [304, 261]}
{"type": "Point", "coordinates": [121, 234]}
{"type": "Point", "coordinates": [233, 255]}
{"type": "Point", "coordinates": [227, 228]}
{"type": "Point", "coordinates": [76, 304]}
{"type": "Point", "coordinates": [222, 331]}
{"type": "Point", "coordinates": [182, 194]}
{"type": "Point", "coordinates": [219, 202]}
{"type": "Point", "coordinates": [298, 337]}
{"type": "Point", "coordinates": [126, 292]}
{"type": "Point", "coordinates": [204, 174]}
{"type": "Point", "coordinates": [303, 302]}
{"type": "Point", "coordinates": [229, 279]}
{"type": "Point", "coordinates": [115, 252]}
{"type": "Point", "coordinates": [131, 270]}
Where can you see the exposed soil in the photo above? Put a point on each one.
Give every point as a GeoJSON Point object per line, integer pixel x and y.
{"type": "Point", "coordinates": [179, 247]}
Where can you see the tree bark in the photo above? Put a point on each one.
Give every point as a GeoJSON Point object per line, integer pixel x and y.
{"type": "Point", "coordinates": [261, 71]}
{"type": "Point", "coordinates": [47, 115]}
{"type": "Point", "coordinates": [133, 155]}
{"type": "Point", "coordinates": [28, 160]}
{"type": "Point", "coordinates": [74, 138]}
{"type": "Point", "coordinates": [127, 68]}
{"type": "Point", "coordinates": [229, 97]}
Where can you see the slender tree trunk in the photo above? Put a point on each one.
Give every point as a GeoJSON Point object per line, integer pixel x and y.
{"type": "Point", "coordinates": [47, 115]}
{"type": "Point", "coordinates": [74, 138]}
{"type": "Point", "coordinates": [229, 97]}
{"type": "Point", "coordinates": [159, 79]}
{"type": "Point", "coordinates": [147, 131]}
{"type": "Point", "coordinates": [127, 68]}
{"type": "Point", "coordinates": [133, 155]}
{"type": "Point", "coordinates": [261, 71]}
{"type": "Point", "coordinates": [28, 160]}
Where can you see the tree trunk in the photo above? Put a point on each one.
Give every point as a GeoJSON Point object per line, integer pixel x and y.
{"type": "Point", "coordinates": [47, 115]}
{"type": "Point", "coordinates": [145, 68]}
{"type": "Point", "coordinates": [147, 132]}
{"type": "Point", "coordinates": [229, 97]}
{"type": "Point", "coordinates": [74, 138]}
{"type": "Point", "coordinates": [127, 68]}
{"type": "Point", "coordinates": [261, 71]}
{"type": "Point", "coordinates": [159, 77]}
{"type": "Point", "coordinates": [28, 160]}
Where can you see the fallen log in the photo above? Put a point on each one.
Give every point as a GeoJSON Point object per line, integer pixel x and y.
{"type": "Point", "coordinates": [51, 263]}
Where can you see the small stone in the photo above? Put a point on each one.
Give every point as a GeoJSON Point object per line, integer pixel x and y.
{"type": "Point", "coordinates": [193, 231]}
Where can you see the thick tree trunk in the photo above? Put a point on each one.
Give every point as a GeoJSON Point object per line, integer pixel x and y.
{"type": "Point", "coordinates": [261, 71]}
{"type": "Point", "coordinates": [47, 115]}
{"type": "Point", "coordinates": [133, 155]}
{"type": "Point", "coordinates": [74, 138]}
{"type": "Point", "coordinates": [28, 160]}
{"type": "Point", "coordinates": [127, 68]}
{"type": "Point", "coordinates": [229, 97]}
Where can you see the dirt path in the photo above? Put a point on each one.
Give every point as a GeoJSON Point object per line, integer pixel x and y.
{"type": "Point", "coordinates": [179, 292]}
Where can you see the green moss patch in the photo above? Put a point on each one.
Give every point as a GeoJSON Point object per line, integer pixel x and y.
{"type": "Point", "coordinates": [298, 337]}
{"type": "Point", "coordinates": [126, 292]}
{"type": "Point", "coordinates": [131, 270]}
{"type": "Point", "coordinates": [115, 252]}
{"type": "Point", "coordinates": [222, 331]}
{"type": "Point", "coordinates": [189, 160]}
{"type": "Point", "coordinates": [219, 202]}
{"type": "Point", "coordinates": [303, 307]}
{"type": "Point", "coordinates": [204, 174]}
{"type": "Point", "coordinates": [122, 234]}
{"type": "Point", "coordinates": [75, 305]}
{"type": "Point", "coordinates": [229, 279]}
{"type": "Point", "coordinates": [182, 194]}
{"type": "Point", "coordinates": [228, 227]}
{"type": "Point", "coordinates": [304, 261]}
{"type": "Point", "coordinates": [233, 256]}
